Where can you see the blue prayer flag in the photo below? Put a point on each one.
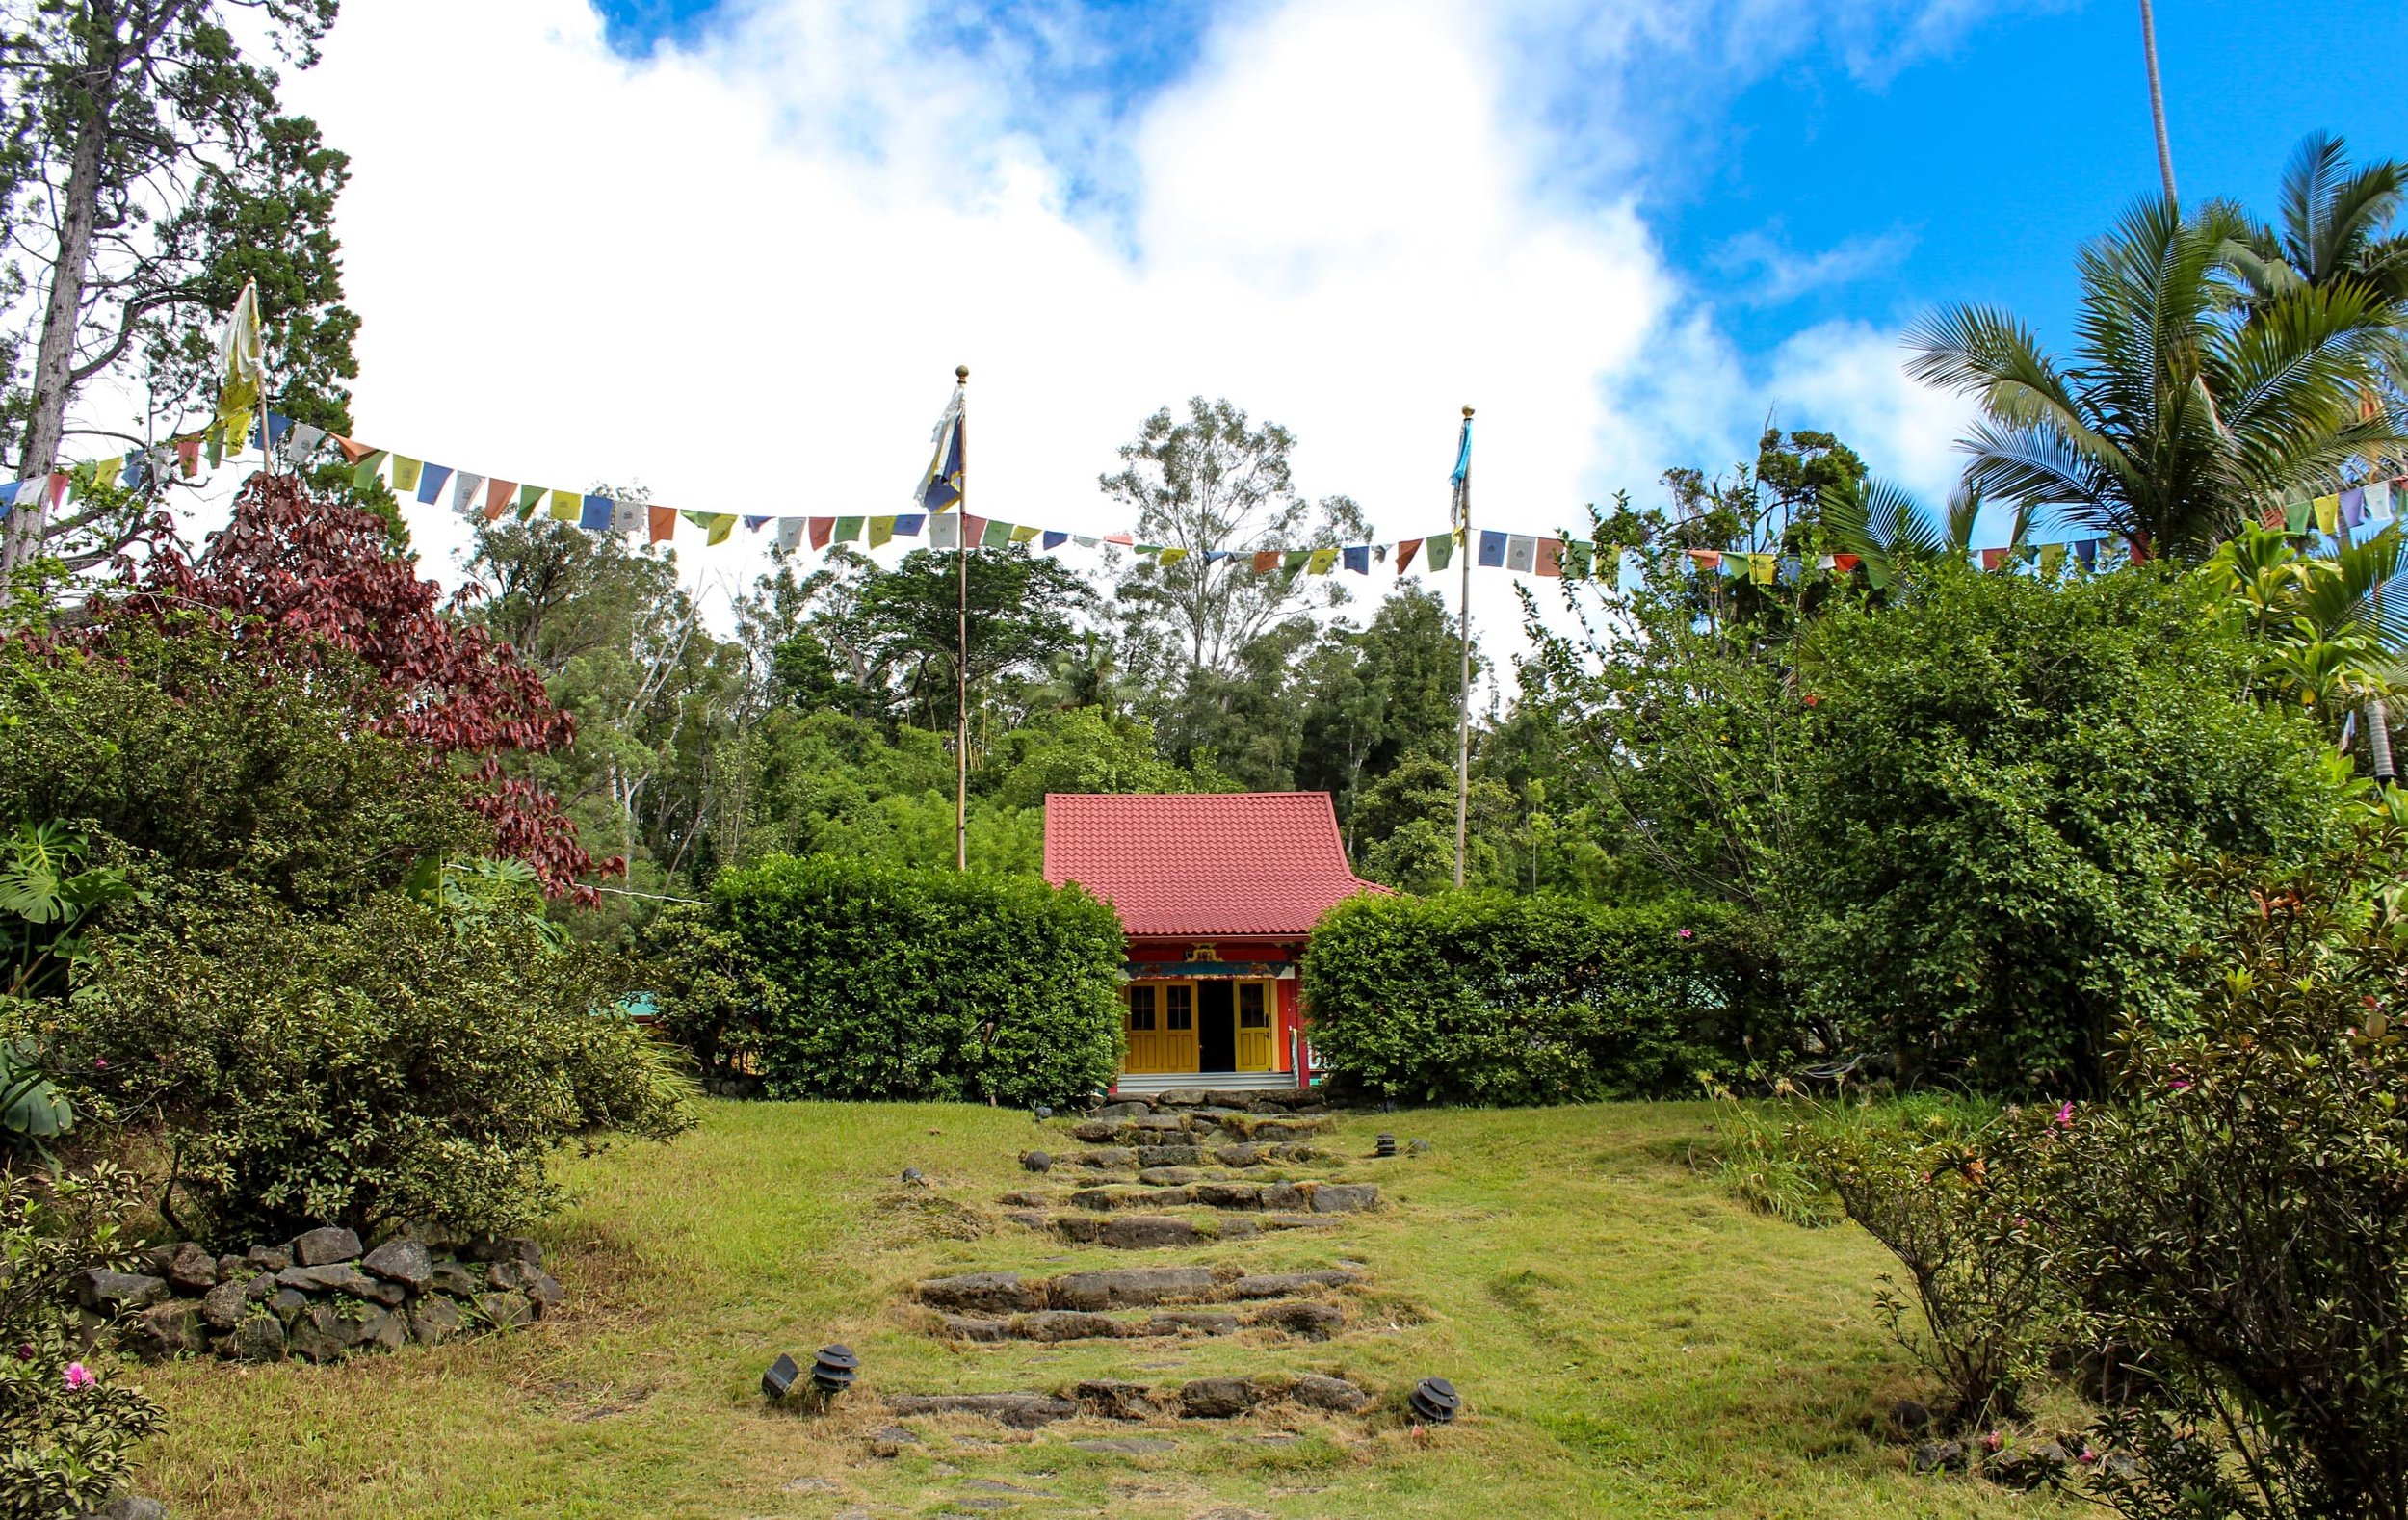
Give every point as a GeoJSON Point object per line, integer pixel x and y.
{"type": "Point", "coordinates": [1054, 540]}
{"type": "Point", "coordinates": [908, 525]}
{"type": "Point", "coordinates": [1358, 558]}
{"type": "Point", "coordinates": [430, 482]}
{"type": "Point", "coordinates": [1492, 549]}
{"type": "Point", "coordinates": [755, 524]}
{"type": "Point", "coordinates": [597, 515]}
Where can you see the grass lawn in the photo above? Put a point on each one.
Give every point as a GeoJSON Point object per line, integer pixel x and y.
{"type": "Point", "coordinates": [1627, 1340]}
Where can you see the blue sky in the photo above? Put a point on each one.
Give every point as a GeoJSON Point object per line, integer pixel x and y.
{"type": "Point", "coordinates": [1899, 158]}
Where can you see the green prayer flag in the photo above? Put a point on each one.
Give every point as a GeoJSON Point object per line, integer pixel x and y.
{"type": "Point", "coordinates": [2052, 557]}
{"type": "Point", "coordinates": [529, 498]}
{"type": "Point", "coordinates": [405, 472]}
{"type": "Point", "coordinates": [1579, 556]}
{"type": "Point", "coordinates": [1295, 561]}
{"type": "Point", "coordinates": [364, 474]}
{"type": "Point", "coordinates": [2296, 518]}
{"type": "Point", "coordinates": [1439, 552]}
{"type": "Point", "coordinates": [848, 529]}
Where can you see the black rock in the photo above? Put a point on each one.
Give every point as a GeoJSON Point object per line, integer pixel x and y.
{"type": "Point", "coordinates": [1909, 1418]}
{"type": "Point", "coordinates": [507, 1311]}
{"type": "Point", "coordinates": [267, 1258]}
{"type": "Point", "coordinates": [324, 1246]}
{"type": "Point", "coordinates": [1934, 1457]}
{"type": "Point", "coordinates": [256, 1337]}
{"type": "Point", "coordinates": [190, 1269]}
{"type": "Point", "coordinates": [171, 1328]}
{"type": "Point", "coordinates": [1334, 1394]}
{"type": "Point", "coordinates": [455, 1279]}
{"type": "Point", "coordinates": [224, 1306]}
{"type": "Point", "coordinates": [432, 1319]}
{"type": "Point", "coordinates": [405, 1261]}
{"type": "Point", "coordinates": [1036, 1160]}
{"type": "Point", "coordinates": [105, 1292]}
{"type": "Point", "coordinates": [1217, 1398]}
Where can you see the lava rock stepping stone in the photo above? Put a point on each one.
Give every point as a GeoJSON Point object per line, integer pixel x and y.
{"type": "Point", "coordinates": [1022, 1411]}
{"type": "Point", "coordinates": [970, 1328]}
{"type": "Point", "coordinates": [325, 1244]}
{"type": "Point", "coordinates": [1217, 1398]}
{"type": "Point", "coordinates": [406, 1262]}
{"type": "Point", "coordinates": [1169, 1156]}
{"type": "Point", "coordinates": [269, 1258]}
{"type": "Point", "coordinates": [1345, 1197]}
{"type": "Point", "coordinates": [1129, 1287]}
{"type": "Point", "coordinates": [1104, 1199]}
{"type": "Point", "coordinates": [1229, 1195]}
{"type": "Point", "coordinates": [1166, 1176]}
{"type": "Point", "coordinates": [1287, 1195]}
{"type": "Point", "coordinates": [985, 1293]}
{"type": "Point", "coordinates": [315, 1334]}
{"type": "Point", "coordinates": [1305, 1320]}
{"type": "Point", "coordinates": [1334, 1394]}
{"type": "Point", "coordinates": [453, 1278]}
{"type": "Point", "coordinates": [1193, 1322]}
{"type": "Point", "coordinates": [1288, 1284]}
{"type": "Point", "coordinates": [1066, 1324]}
{"type": "Point", "coordinates": [1109, 1158]}
{"type": "Point", "coordinates": [1113, 1399]}
{"type": "Point", "coordinates": [1137, 1232]}
{"type": "Point", "coordinates": [1242, 1155]}
{"type": "Point", "coordinates": [1126, 1109]}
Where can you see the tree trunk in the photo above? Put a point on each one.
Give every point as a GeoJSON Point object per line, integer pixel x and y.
{"type": "Point", "coordinates": [2157, 98]}
{"type": "Point", "coordinates": [61, 316]}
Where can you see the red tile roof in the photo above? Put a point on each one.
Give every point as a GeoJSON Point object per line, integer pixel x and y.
{"type": "Point", "coordinates": [1219, 864]}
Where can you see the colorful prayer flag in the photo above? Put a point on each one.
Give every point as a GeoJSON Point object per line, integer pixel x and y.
{"type": "Point", "coordinates": [2052, 558]}
{"type": "Point", "coordinates": [973, 530]}
{"type": "Point", "coordinates": [1265, 561]}
{"type": "Point", "coordinates": [241, 364]}
{"type": "Point", "coordinates": [1121, 538]}
{"type": "Point", "coordinates": [1521, 553]}
{"type": "Point", "coordinates": [497, 498]}
{"type": "Point", "coordinates": [664, 522]}
{"type": "Point", "coordinates": [188, 455]}
{"type": "Point", "coordinates": [2378, 501]}
{"type": "Point", "coordinates": [722, 525]}
{"type": "Point", "coordinates": [1578, 560]}
{"type": "Point", "coordinates": [628, 517]}
{"type": "Point", "coordinates": [567, 505]}
{"type": "Point", "coordinates": [1551, 557]}
{"type": "Point", "coordinates": [1171, 557]}
{"type": "Point", "coordinates": [303, 442]}
{"type": "Point", "coordinates": [594, 514]}
{"type": "Point", "coordinates": [364, 474]}
{"type": "Point", "coordinates": [2328, 510]}
{"type": "Point", "coordinates": [755, 524]}
{"type": "Point", "coordinates": [942, 482]}
{"type": "Point", "coordinates": [848, 529]}
{"type": "Point", "coordinates": [1024, 535]}
{"type": "Point", "coordinates": [1358, 558]}
{"type": "Point", "coordinates": [406, 471]}
{"type": "Point", "coordinates": [1439, 551]}
{"type": "Point", "coordinates": [529, 498]}
{"type": "Point", "coordinates": [1492, 549]}
{"type": "Point", "coordinates": [1992, 559]}
{"type": "Point", "coordinates": [908, 525]}
{"type": "Point", "coordinates": [465, 489]}
{"type": "Point", "coordinates": [820, 528]}
{"type": "Point", "coordinates": [2296, 515]}
{"type": "Point", "coordinates": [1407, 548]}
{"type": "Point", "coordinates": [2354, 505]}
{"type": "Point", "coordinates": [881, 531]}
{"type": "Point", "coordinates": [1294, 559]}
{"type": "Point", "coordinates": [997, 535]}
{"type": "Point", "coordinates": [1706, 559]}
{"type": "Point", "coordinates": [430, 482]}
{"type": "Point", "coordinates": [944, 530]}
{"type": "Point", "coordinates": [788, 535]}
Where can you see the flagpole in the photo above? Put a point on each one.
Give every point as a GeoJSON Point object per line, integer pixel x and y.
{"type": "Point", "coordinates": [1463, 698]}
{"type": "Point", "coordinates": [962, 647]}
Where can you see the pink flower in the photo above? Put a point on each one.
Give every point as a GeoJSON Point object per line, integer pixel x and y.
{"type": "Point", "coordinates": [78, 1376]}
{"type": "Point", "coordinates": [2065, 1115]}
{"type": "Point", "coordinates": [100, 1064]}
{"type": "Point", "coordinates": [1689, 934]}
{"type": "Point", "coordinates": [2181, 1085]}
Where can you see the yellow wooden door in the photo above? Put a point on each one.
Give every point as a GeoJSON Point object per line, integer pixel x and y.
{"type": "Point", "coordinates": [1178, 1027]}
{"type": "Point", "coordinates": [1254, 1032]}
{"type": "Point", "coordinates": [1145, 1036]}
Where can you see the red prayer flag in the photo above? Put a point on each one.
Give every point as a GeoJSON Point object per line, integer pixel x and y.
{"type": "Point", "coordinates": [58, 488]}
{"type": "Point", "coordinates": [1992, 559]}
{"type": "Point", "coordinates": [1707, 559]}
{"type": "Point", "coordinates": [1121, 538]}
{"type": "Point", "coordinates": [1845, 562]}
{"type": "Point", "coordinates": [1265, 561]}
{"type": "Point", "coordinates": [973, 528]}
{"type": "Point", "coordinates": [188, 454]}
{"type": "Point", "coordinates": [661, 521]}
{"type": "Point", "coordinates": [1551, 557]}
{"type": "Point", "coordinates": [820, 528]}
{"type": "Point", "coordinates": [1405, 550]}
{"type": "Point", "coordinates": [352, 453]}
{"type": "Point", "coordinates": [498, 496]}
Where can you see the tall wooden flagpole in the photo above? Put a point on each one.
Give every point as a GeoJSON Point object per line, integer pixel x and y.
{"type": "Point", "coordinates": [962, 647]}
{"type": "Point", "coordinates": [1463, 696]}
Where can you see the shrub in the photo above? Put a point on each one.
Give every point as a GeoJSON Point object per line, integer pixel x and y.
{"type": "Point", "coordinates": [1485, 998]}
{"type": "Point", "coordinates": [2003, 778]}
{"type": "Point", "coordinates": [66, 1430]}
{"type": "Point", "coordinates": [2237, 1212]}
{"type": "Point", "coordinates": [380, 1068]}
{"type": "Point", "coordinates": [893, 983]}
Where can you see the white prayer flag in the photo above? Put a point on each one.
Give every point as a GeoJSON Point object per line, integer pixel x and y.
{"type": "Point", "coordinates": [788, 535]}
{"type": "Point", "coordinates": [468, 493]}
{"type": "Point", "coordinates": [1521, 553]}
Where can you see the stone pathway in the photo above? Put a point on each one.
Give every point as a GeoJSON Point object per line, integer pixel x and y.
{"type": "Point", "coordinates": [1190, 1176]}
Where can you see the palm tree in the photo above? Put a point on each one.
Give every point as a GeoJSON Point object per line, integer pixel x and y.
{"type": "Point", "coordinates": [2176, 420]}
{"type": "Point", "coordinates": [2336, 228]}
{"type": "Point", "coordinates": [1885, 528]}
{"type": "Point", "coordinates": [2156, 97]}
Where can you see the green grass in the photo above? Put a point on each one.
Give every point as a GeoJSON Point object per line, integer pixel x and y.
{"type": "Point", "coordinates": [1628, 1341]}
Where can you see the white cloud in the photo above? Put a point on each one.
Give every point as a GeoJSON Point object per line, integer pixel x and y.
{"type": "Point", "coordinates": [1784, 273]}
{"type": "Point", "coordinates": [741, 275]}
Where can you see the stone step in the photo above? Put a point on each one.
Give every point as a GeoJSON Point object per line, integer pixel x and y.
{"type": "Point", "coordinates": [1154, 1157]}
{"type": "Point", "coordinates": [1201, 1126]}
{"type": "Point", "coordinates": [1139, 1232]}
{"type": "Point", "coordinates": [1306, 1197]}
{"type": "Point", "coordinates": [993, 1295]}
{"type": "Point", "coordinates": [1303, 1319]}
{"type": "Point", "coordinates": [1202, 1398]}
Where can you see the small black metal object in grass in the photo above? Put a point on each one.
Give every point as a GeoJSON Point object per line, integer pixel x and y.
{"type": "Point", "coordinates": [1042, 1112]}
{"type": "Point", "coordinates": [780, 1377]}
{"type": "Point", "coordinates": [1386, 1145]}
{"type": "Point", "coordinates": [1435, 1400]}
{"type": "Point", "coordinates": [832, 1372]}
{"type": "Point", "coordinates": [911, 1177]}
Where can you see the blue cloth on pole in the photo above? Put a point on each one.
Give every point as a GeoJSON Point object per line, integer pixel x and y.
{"type": "Point", "coordinates": [1492, 549]}
{"type": "Point", "coordinates": [1463, 457]}
{"type": "Point", "coordinates": [595, 517]}
{"type": "Point", "coordinates": [1358, 558]}
{"type": "Point", "coordinates": [430, 478]}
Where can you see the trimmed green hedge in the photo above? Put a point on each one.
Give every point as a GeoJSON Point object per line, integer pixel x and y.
{"type": "Point", "coordinates": [1480, 996]}
{"type": "Point", "coordinates": [883, 982]}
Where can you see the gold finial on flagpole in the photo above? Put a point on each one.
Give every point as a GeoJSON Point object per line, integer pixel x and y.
{"type": "Point", "coordinates": [962, 372]}
{"type": "Point", "coordinates": [1467, 412]}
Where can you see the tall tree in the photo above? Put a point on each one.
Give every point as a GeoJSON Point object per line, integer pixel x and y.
{"type": "Point", "coordinates": [149, 176]}
{"type": "Point", "coordinates": [1219, 487]}
{"type": "Point", "coordinates": [2176, 420]}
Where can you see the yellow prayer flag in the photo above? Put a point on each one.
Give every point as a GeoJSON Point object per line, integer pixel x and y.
{"type": "Point", "coordinates": [1321, 561]}
{"type": "Point", "coordinates": [1023, 535]}
{"type": "Point", "coordinates": [722, 525]}
{"type": "Point", "coordinates": [406, 471]}
{"type": "Point", "coordinates": [881, 531]}
{"type": "Point", "coordinates": [2328, 514]}
{"type": "Point", "coordinates": [242, 366]}
{"type": "Point", "coordinates": [1171, 557]}
{"type": "Point", "coordinates": [1761, 568]}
